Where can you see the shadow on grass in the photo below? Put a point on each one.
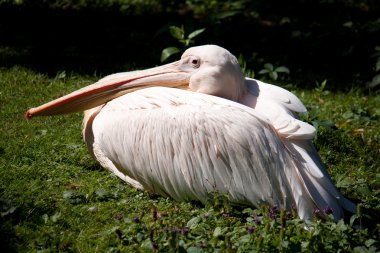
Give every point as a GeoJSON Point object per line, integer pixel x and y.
{"type": "Point", "coordinates": [14, 215]}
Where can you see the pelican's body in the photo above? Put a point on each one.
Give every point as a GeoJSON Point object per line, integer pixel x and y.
{"type": "Point", "coordinates": [243, 142]}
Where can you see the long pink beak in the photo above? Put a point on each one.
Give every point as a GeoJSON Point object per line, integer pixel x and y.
{"type": "Point", "coordinates": [113, 86]}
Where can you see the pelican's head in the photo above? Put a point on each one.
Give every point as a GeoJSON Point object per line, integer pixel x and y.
{"type": "Point", "coordinates": [213, 70]}
{"type": "Point", "coordinates": [206, 69]}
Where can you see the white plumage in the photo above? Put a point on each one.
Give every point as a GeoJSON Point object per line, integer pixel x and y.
{"type": "Point", "coordinates": [187, 145]}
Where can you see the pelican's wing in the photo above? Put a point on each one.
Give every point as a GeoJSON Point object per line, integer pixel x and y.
{"type": "Point", "coordinates": [278, 105]}
{"type": "Point", "coordinates": [187, 145]}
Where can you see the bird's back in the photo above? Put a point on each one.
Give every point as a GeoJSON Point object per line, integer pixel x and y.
{"type": "Point", "coordinates": [187, 145]}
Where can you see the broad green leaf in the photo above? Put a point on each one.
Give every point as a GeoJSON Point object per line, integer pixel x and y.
{"type": "Point", "coordinates": [61, 75]}
{"type": "Point", "coordinates": [378, 64]}
{"type": "Point", "coordinates": [263, 71]}
{"type": "Point", "coordinates": [248, 211]}
{"type": "Point", "coordinates": [369, 242]}
{"type": "Point", "coordinates": [245, 239]}
{"type": "Point", "coordinates": [323, 84]}
{"type": "Point", "coordinates": [242, 62]}
{"type": "Point", "coordinates": [305, 244]}
{"type": "Point", "coordinates": [67, 194]}
{"type": "Point", "coordinates": [8, 211]}
{"type": "Point", "coordinates": [326, 123]}
{"type": "Point", "coordinates": [140, 236]}
{"type": "Point", "coordinates": [268, 66]}
{"type": "Point", "coordinates": [186, 42]}
{"type": "Point", "coordinates": [273, 75]}
{"type": "Point", "coordinates": [167, 52]}
{"type": "Point", "coordinates": [146, 245]}
{"type": "Point", "coordinates": [348, 24]}
{"type": "Point", "coordinates": [217, 232]}
{"type": "Point", "coordinates": [55, 217]}
{"type": "Point", "coordinates": [193, 223]}
{"type": "Point", "coordinates": [45, 217]}
{"type": "Point", "coordinates": [282, 69]}
{"type": "Point", "coordinates": [352, 219]}
{"type": "Point", "coordinates": [375, 81]}
{"type": "Point", "coordinates": [360, 249]}
{"type": "Point", "coordinates": [177, 32]}
{"type": "Point", "coordinates": [343, 181]}
{"type": "Point", "coordinates": [196, 33]}
{"type": "Point", "coordinates": [226, 14]}
{"type": "Point", "coordinates": [194, 249]}
{"type": "Point", "coordinates": [103, 194]}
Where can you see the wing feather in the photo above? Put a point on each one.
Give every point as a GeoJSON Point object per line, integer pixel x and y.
{"type": "Point", "coordinates": [278, 105]}
{"type": "Point", "coordinates": [188, 145]}
{"type": "Point", "coordinates": [187, 152]}
{"type": "Point", "coordinates": [317, 189]}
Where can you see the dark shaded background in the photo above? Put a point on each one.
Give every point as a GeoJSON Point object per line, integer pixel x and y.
{"type": "Point", "coordinates": [316, 40]}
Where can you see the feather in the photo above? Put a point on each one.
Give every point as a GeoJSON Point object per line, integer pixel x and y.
{"type": "Point", "coordinates": [187, 153]}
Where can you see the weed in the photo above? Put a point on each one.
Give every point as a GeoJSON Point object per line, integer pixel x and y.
{"type": "Point", "coordinates": [179, 34]}
{"type": "Point", "coordinates": [273, 72]}
{"type": "Point", "coordinates": [376, 79]}
{"type": "Point", "coordinates": [243, 64]}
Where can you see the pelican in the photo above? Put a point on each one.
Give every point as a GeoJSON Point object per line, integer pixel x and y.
{"type": "Point", "coordinates": [198, 126]}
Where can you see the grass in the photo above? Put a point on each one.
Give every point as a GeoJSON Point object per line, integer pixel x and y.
{"type": "Point", "coordinates": [55, 197]}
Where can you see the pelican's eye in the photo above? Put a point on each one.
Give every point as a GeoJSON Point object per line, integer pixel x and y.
{"type": "Point", "coordinates": [195, 62]}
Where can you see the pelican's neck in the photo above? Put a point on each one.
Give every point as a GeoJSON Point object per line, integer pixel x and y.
{"type": "Point", "coordinates": [88, 119]}
{"type": "Point", "coordinates": [249, 100]}
{"type": "Point", "coordinates": [248, 97]}
{"type": "Point", "coordinates": [89, 115]}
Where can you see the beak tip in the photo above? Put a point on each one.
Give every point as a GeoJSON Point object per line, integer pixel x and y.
{"type": "Point", "coordinates": [28, 115]}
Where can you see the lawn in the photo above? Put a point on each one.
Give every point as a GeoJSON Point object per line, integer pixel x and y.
{"type": "Point", "coordinates": [55, 197]}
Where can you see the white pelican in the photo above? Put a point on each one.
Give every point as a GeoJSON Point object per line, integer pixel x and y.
{"type": "Point", "coordinates": [198, 126]}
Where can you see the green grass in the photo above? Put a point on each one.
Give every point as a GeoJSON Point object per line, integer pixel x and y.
{"type": "Point", "coordinates": [54, 196]}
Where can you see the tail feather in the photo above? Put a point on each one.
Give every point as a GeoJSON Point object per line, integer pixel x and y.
{"type": "Point", "coordinates": [318, 186]}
